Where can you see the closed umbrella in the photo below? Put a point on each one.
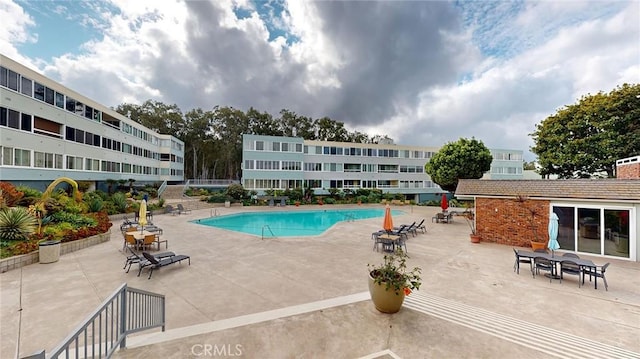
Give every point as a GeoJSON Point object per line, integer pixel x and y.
{"type": "Point", "coordinates": [387, 223]}
{"type": "Point", "coordinates": [444, 203]}
{"type": "Point", "coordinates": [553, 233]}
{"type": "Point", "coordinates": [142, 214]}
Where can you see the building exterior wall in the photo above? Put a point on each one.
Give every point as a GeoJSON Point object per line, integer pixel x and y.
{"type": "Point", "coordinates": [628, 168]}
{"type": "Point", "coordinates": [391, 168]}
{"type": "Point", "coordinates": [509, 221]}
{"type": "Point", "coordinates": [67, 134]}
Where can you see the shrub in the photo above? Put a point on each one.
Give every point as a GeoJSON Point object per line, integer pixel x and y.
{"type": "Point", "coordinates": [236, 191]}
{"type": "Point", "coordinates": [9, 195]}
{"type": "Point", "coordinates": [119, 201]}
{"type": "Point", "coordinates": [329, 200]}
{"type": "Point", "coordinates": [217, 198]}
{"type": "Point", "coordinates": [16, 223]}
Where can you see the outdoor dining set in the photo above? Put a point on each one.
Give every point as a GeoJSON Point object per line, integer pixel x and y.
{"type": "Point", "coordinates": [389, 237]}
{"type": "Point", "coordinates": [557, 266]}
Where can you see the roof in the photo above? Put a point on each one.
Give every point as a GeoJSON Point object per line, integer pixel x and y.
{"type": "Point", "coordinates": [600, 189]}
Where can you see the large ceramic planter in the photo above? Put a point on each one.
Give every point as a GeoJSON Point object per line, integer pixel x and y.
{"type": "Point", "coordinates": [49, 251]}
{"type": "Point", "coordinates": [475, 238]}
{"type": "Point", "coordinates": [386, 301]}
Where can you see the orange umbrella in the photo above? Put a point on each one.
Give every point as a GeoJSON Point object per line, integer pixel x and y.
{"type": "Point", "coordinates": [387, 223]}
{"type": "Point", "coordinates": [444, 204]}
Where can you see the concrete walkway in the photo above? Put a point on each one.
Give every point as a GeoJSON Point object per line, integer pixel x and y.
{"type": "Point", "coordinates": [307, 297]}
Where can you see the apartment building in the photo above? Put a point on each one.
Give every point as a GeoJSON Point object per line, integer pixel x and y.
{"type": "Point", "coordinates": [272, 162]}
{"type": "Point", "coordinates": [49, 131]}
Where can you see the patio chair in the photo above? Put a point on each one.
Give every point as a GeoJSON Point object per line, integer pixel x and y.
{"type": "Point", "coordinates": [134, 258]}
{"type": "Point", "coordinates": [408, 228]}
{"type": "Point", "coordinates": [157, 262]}
{"type": "Point", "coordinates": [570, 267]}
{"type": "Point", "coordinates": [570, 255]}
{"type": "Point", "coordinates": [593, 271]}
{"type": "Point", "coordinates": [148, 241]}
{"type": "Point", "coordinates": [181, 209]}
{"type": "Point", "coordinates": [544, 264]}
{"type": "Point", "coordinates": [158, 241]}
{"type": "Point", "coordinates": [521, 260]}
{"type": "Point", "coordinates": [130, 241]}
{"type": "Point", "coordinates": [172, 211]}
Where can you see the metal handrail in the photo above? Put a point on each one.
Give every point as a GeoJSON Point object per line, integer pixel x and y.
{"type": "Point", "coordinates": [162, 188]}
{"type": "Point", "coordinates": [349, 217]}
{"type": "Point", "coordinates": [270, 231]}
{"type": "Point", "coordinates": [126, 311]}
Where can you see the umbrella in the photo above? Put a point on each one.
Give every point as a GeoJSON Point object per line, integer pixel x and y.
{"type": "Point", "coordinates": [142, 215]}
{"type": "Point", "coordinates": [444, 204]}
{"type": "Point", "coordinates": [387, 223]}
{"type": "Point", "coordinates": [553, 233]}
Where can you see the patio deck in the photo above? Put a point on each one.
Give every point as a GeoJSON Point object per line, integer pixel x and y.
{"type": "Point", "coordinates": [306, 297]}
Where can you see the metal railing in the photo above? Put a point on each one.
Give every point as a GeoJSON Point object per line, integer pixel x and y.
{"type": "Point", "coordinates": [210, 182]}
{"type": "Point", "coordinates": [162, 188]}
{"type": "Point", "coordinates": [127, 310]}
{"type": "Point", "coordinates": [270, 231]}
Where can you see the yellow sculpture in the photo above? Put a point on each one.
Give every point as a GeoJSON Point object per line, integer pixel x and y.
{"type": "Point", "coordinates": [38, 209]}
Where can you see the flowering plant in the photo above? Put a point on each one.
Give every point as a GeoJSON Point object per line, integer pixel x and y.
{"type": "Point", "coordinates": [394, 275]}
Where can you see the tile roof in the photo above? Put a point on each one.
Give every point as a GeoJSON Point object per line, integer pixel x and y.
{"type": "Point", "coordinates": [598, 189]}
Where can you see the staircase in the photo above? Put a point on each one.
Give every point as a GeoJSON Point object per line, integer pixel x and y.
{"type": "Point", "coordinates": [173, 192]}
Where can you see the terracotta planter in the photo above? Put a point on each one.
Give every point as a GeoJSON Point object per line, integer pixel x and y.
{"type": "Point", "coordinates": [386, 301]}
{"type": "Point", "coordinates": [538, 245]}
{"type": "Point", "coordinates": [475, 238]}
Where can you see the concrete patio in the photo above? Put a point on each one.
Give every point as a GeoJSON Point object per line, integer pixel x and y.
{"type": "Point", "coordinates": [307, 297]}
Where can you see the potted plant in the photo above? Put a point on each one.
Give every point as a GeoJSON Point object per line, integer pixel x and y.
{"type": "Point", "coordinates": [390, 281]}
{"type": "Point", "coordinates": [474, 236]}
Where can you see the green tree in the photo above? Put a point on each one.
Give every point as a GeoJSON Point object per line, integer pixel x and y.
{"type": "Point", "coordinates": [584, 139]}
{"type": "Point", "coordinates": [465, 158]}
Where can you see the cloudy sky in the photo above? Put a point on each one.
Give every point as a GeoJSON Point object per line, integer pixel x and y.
{"type": "Point", "coordinates": [422, 72]}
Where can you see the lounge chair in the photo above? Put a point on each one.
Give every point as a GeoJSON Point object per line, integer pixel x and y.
{"type": "Point", "coordinates": [158, 262]}
{"type": "Point", "coordinates": [409, 228]}
{"type": "Point", "coordinates": [172, 211]}
{"type": "Point", "coordinates": [181, 209]}
{"type": "Point", "coordinates": [134, 258]}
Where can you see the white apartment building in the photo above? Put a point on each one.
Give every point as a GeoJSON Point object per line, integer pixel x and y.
{"type": "Point", "coordinates": [272, 162]}
{"type": "Point", "coordinates": [49, 131]}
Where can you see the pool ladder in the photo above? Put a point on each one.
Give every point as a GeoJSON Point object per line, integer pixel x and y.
{"type": "Point", "coordinates": [214, 213]}
{"type": "Point", "coordinates": [349, 217]}
{"type": "Point", "coordinates": [270, 231]}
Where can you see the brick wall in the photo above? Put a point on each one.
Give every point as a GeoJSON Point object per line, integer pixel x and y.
{"type": "Point", "coordinates": [508, 221]}
{"type": "Point", "coordinates": [629, 170]}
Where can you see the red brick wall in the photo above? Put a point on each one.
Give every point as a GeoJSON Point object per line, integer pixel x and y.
{"type": "Point", "coordinates": [628, 171]}
{"type": "Point", "coordinates": [508, 221]}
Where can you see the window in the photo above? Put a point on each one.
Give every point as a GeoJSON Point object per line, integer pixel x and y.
{"type": "Point", "coordinates": [299, 147]}
{"type": "Point", "coordinates": [59, 100]}
{"type": "Point", "coordinates": [74, 163]}
{"type": "Point", "coordinates": [49, 96]}
{"type": "Point", "coordinates": [313, 167]}
{"type": "Point", "coordinates": [248, 165]}
{"type": "Point", "coordinates": [25, 124]}
{"type": "Point", "coordinates": [276, 146]}
{"type": "Point", "coordinates": [3, 116]}
{"type": "Point", "coordinates": [12, 80]}
{"type": "Point", "coordinates": [4, 73]}
{"type": "Point", "coordinates": [70, 104]}
{"type": "Point", "coordinates": [22, 158]}
{"type": "Point", "coordinates": [7, 156]}
{"type": "Point", "coordinates": [92, 165]}
{"type": "Point", "coordinates": [27, 86]}
{"type": "Point", "coordinates": [14, 119]}
{"type": "Point", "coordinates": [259, 145]}
{"type": "Point", "coordinates": [285, 147]}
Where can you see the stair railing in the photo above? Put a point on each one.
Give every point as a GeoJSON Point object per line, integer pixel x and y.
{"type": "Point", "coordinates": [127, 310]}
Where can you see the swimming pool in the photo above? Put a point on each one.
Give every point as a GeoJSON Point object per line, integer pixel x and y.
{"type": "Point", "coordinates": [290, 223]}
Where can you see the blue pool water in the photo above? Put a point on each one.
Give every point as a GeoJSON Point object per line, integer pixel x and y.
{"type": "Point", "coordinates": [290, 223]}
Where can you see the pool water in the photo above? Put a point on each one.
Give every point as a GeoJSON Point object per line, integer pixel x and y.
{"type": "Point", "coordinates": [290, 223]}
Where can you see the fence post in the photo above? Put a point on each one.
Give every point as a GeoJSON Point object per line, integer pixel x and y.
{"type": "Point", "coordinates": [123, 318]}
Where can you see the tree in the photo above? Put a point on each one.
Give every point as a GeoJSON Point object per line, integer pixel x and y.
{"type": "Point", "coordinates": [465, 158]}
{"type": "Point", "coordinates": [585, 139]}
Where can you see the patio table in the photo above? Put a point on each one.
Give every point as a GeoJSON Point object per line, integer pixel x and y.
{"type": "Point", "coordinates": [557, 259]}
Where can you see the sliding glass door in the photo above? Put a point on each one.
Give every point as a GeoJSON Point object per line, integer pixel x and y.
{"type": "Point", "coordinates": [596, 230]}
